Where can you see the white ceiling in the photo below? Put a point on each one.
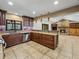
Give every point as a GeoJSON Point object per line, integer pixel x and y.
{"type": "Point", "coordinates": [41, 7]}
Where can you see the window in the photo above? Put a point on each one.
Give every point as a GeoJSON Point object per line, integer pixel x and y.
{"type": "Point", "coordinates": [18, 25]}
{"type": "Point", "coordinates": [13, 25]}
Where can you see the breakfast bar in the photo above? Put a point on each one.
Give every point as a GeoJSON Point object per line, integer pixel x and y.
{"type": "Point", "coordinates": [47, 39]}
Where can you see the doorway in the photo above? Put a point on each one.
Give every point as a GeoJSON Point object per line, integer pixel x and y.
{"type": "Point", "coordinates": [45, 27]}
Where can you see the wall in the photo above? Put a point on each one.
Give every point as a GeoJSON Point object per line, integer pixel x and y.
{"type": "Point", "coordinates": [13, 17]}
{"type": "Point", "coordinates": [64, 23]}
{"type": "Point", "coordinates": [69, 14]}
{"type": "Point", "coordinates": [38, 24]}
{"type": "Point", "coordinates": [27, 20]}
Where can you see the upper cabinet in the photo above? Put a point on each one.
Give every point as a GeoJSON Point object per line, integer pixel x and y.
{"type": "Point", "coordinates": [74, 29]}
{"type": "Point", "coordinates": [27, 21]}
{"type": "Point", "coordinates": [74, 25]}
{"type": "Point", "coordinates": [2, 17]}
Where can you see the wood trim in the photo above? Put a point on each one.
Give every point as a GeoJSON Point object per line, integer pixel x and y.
{"type": "Point", "coordinates": [28, 17]}
{"type": "Point", "coordinates": [62, 12]}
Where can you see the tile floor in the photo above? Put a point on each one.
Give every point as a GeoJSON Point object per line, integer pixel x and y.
{"type": "Point", "coordinates": [1, 51]}
{"type": "Point", "coordinates": [68, 48]}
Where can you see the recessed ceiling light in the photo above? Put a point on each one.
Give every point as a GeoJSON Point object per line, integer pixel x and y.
{"type": "Point", "coordinates": [34, 12]}
{"type": "Point", "coordinates": [56, 2]}
{"type": "Point", "coordinates": [16, 13]}
{"type": "Point", "coordinates": [10, 3]}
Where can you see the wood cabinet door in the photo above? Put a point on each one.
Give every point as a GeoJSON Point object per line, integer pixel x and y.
{"type": "Point", "coordinates": [13, 39]}
{"type": "Point", "coordinates": [2, 17]}
{"type": "Point", "coordinates": [72, 31]}
{"type": "Point", "coordinates": [77, 32]}
{"type": "Point", "coordinates": [72, 25]}
{"type": "Point", "coordinates": [77, 25]}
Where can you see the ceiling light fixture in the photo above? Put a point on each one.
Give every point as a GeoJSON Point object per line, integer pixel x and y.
{"type": "Point", "coordinates": [16, 13]}
{"type": "Point", "coordinates": [56, 2]}
{"type": "Point", "coordinates": [10, 3]}
{"type": "Point", "coordinates": [34, 12]}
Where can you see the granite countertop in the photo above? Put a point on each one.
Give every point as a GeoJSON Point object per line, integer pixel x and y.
{"type": "Point", "coordinates": [3, 34]}
{"type": "Point", "coordinates": [47, 33]}
{"type": "Point", "coordinates": [1, 51]}
{"type": "Point", "coordinates": [42, 32]}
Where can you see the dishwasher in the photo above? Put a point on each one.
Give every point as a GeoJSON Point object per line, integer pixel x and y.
{"type": "Point", "coordinates": [25, 37]}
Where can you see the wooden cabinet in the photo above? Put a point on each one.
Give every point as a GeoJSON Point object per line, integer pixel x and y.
{"type": "Point", "coordinates": [74, 29]}
{"type": "Point", "coordinates": [77, 31]}
{"type": "Point", "coordinates": [2, 17]}
{"type": "Point", "coordinates": [31, 22]}
{"type": "Point", "coordinates": [13, 39]}
{"type": "Point", "coordinates": [77, 25]}
{"type": "Point", "coordinates": [74, 25]}
{"type": "Point", "coordinates": [27, 21]}
{"type": "Point", "coordinates": [2, 20]}
{"type": "Point", "coordinates": [44, 39]}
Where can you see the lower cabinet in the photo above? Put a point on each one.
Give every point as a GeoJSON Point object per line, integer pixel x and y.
{"type": "Point", "coordinates": [13, 39]}
{"type": "Point", "coordinates": [44, 39]}
{"type": "Point", "coordinates": [77, 32]}
{"type": "Point", "coordinates": [74, 31]}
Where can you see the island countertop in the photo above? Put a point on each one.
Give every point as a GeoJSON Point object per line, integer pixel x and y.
{"type": "Point", "coordinates": [47, 33]}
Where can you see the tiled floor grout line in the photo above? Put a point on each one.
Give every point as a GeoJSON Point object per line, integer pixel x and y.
{"type": "Point", "coordinates": [30, 54]}
{"type": "Point", "coordinates": [65, 50]}
{"type": "Point", "coordinates": [72, 50]}
{"type": "Point", "coordinates": [58, 53]}
{"type": "Point", "coordinates": [40, 52]}
{"type": "Point", "coordinates": [37, 50]}
{"type": "Point", "coordinates": [43, 53]}
{"type": "Point", "coordinates": [14, 53]}
{"type": "Point", "coordinates": [43, 56]}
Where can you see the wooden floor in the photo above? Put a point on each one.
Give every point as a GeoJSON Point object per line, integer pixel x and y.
{"type": "Point", "coordinates": [68, 48]}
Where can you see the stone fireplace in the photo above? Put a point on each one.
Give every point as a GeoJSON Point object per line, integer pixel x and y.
{"type": "Point", "coordinates": [63, 30]}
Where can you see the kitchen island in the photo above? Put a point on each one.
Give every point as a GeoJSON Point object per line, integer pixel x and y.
{"type": "Point", "coordinates": [47, 39]}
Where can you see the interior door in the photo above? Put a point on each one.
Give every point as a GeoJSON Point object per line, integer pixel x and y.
{"type": "Point", "coordinates": [45, 27]}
